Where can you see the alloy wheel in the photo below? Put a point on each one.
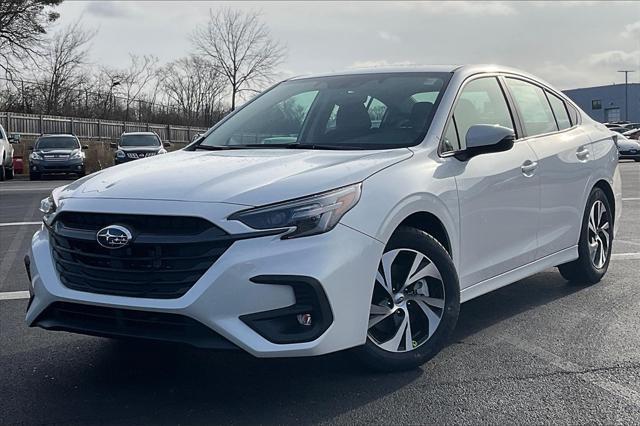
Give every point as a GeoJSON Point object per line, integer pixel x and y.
{"type": "Point", "coordinates": [408, 301]}
{"type": "Point", "coordinates": [599, 238]}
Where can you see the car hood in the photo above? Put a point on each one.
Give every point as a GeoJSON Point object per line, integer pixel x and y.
{"type": "Point", "coordinates": [140, 148]}
{"type": "Point", "coordinates": [248, 177]}
{"type": "Point", "coordinates": [56, 151]}
{"type": "Point", "coordinates": [628, 144]}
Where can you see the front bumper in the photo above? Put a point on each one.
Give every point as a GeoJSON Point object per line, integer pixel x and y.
{"type": "Point", "coordinates": [67, 166]}
{"type": "Point", "coordinates": [234, 290]}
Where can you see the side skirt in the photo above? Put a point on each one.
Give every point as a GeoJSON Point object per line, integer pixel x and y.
{"type": "Point", "coordinates": [486, 286]}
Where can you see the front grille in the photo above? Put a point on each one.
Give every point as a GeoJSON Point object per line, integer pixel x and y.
{"type": "Point", "coordinates": [166, 257]}
{"type": "Point", "coordinates": [56, 157]}
{"type": "Point", "coordinates": [116, 322]}
{"type": "Point", "coordinates": [140, 154]}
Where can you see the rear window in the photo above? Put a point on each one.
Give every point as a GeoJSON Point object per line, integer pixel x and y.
{"type": "Point", "coordinates": [57, 142]}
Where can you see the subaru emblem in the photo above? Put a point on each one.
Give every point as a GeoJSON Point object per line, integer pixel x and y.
{"type": "Point", "coordinates": [114, 237]}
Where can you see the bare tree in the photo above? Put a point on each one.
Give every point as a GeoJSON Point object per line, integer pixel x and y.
{"type": "Point", "coordinates": [22, 26]}
{"type": "Point", "coordinates": [61, 66]}
{"type": "Point", "coordinates": [137, 77]}
{"type": "Point", "coordinates": [241, 48]}
{"type": "Point", "coordinates": [194, 86]}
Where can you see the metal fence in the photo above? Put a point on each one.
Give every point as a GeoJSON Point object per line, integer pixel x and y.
{"type": "Point", "coordinates": [87, 128]}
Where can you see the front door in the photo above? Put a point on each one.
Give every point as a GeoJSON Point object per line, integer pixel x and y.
{"type": "Point", "coordinates": [498, 192]}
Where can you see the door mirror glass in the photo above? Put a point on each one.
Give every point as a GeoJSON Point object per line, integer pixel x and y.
{"type": "Point", "coordinates": [167, 144]}
{"type": "Point", "coordinates": [14, 138]}
{"type": "Point", "coordinates": [85, 147]}
{"type": "Point", "coordinates": [113, 145]}
{"type": "Point", "coordinates": [486, 138]}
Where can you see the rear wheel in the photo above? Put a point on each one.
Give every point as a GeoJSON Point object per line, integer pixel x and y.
{"type": "Point", "coordinates": [34, 176]}
{"type": "Point", "coordinates": [9, 173]}
{"type": "Point", "coordinates": [3, 172]}
{"type": "Point", "coordinates": [594, 246]}
{"type": "Point", "coordinates": [415, 303]}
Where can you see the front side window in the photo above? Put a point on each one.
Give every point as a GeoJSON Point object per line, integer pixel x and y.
{"type": "Point", "coordinates": [480, 102]}
{"type": "Point", "coordinates": [362, 111]}
{"type": "Point", "coordinates": [559, 111]}
{"type": "Point", "coordinates": [533, 106]}
{"type": "Point", "coordinates": [57, 142]}
{"type": "Point", "coordinates": [139, 140]}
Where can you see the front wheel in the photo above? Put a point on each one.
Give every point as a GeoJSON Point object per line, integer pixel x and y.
{"type": "Point", "coordinates": [594, 246]}
{"type": "Point", "coordinates": [415, 303]}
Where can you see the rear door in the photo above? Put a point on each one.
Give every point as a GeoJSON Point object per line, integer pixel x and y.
{"type": "Point", "coordinates": [498, 197]}
{"type": "Point", "coordinates": [563, 152]}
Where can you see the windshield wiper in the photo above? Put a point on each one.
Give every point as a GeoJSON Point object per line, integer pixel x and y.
{"type": "Point", "coordinates": [216, 147]}
{"type": "Point", "coordinates": [281, 145]}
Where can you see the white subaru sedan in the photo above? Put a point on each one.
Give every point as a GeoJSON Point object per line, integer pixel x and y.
{"type": "Point", "coordinates": [354, 210]}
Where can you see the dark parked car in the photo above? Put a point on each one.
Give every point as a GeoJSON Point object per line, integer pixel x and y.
{"type": "Point", "coordinates": [628, 149]}
{"type": "Point", "coordinates": [136, 145]}
{"type": "Point", "coordinates": [54, 154]}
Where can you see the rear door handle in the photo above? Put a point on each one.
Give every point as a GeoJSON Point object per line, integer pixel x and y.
{"type": "Point", "coordinates": [582, 153]}
{"type": "Point", "coordinates": [529, 167]}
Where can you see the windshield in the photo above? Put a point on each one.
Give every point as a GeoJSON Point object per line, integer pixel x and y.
{"type": "Point", "coordinates": [365, 111]}
{"type": "Point", "coordinates": [139, 140]}
{"type": "Point", "coordinates": [57, 142]}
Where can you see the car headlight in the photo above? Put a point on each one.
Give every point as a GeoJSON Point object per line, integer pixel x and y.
{"type": "Point", "coordinates": [48, 207]}
{"type": "Point", "coordinates": [306, 216]}
{"type": "Point", "coordinates": [35, 156]}
{"type": "Point", "coordinates": [120, 154]}
{"type": "Point", "coordinates": [76, 154]}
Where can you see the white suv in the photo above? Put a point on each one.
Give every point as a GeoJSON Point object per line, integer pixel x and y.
{"type": "Point", "coordinates": [352, 210]}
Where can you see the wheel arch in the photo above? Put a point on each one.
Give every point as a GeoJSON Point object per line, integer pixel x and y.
{"type": "Point", "coordinates": [431, 224]}
{"type": "Point", "coordinates": [606, 188]}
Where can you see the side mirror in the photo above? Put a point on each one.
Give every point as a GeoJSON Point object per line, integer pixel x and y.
{"type": "Point", "coordinates": [14, 138]}
{"type": "Point", "coordinates": [113, 145]}
{"type": "Point", "coordinates": [85, 147]}
{"type": "Point", "coordinates": [167, 144]}
{"type": "Point", "coordinates": [486, 138]}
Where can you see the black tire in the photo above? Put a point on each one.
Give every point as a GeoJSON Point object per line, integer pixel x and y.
{"type": "Point", "coordinates": [34, 176]}
{"type": "Point", "coordinates": [3, 173]}
{"type": "Point", "coordinates": [636, 160]}
{"type": "Point", "coordinates": [582, 271]}
{"type": "Point", "coordinates": [378, 359]}
{"type": "Point", "coordinates": [9, 174]}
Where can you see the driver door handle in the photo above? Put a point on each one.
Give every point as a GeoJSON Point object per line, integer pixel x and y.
{"type": "Point", "coordinates": [529, 167]}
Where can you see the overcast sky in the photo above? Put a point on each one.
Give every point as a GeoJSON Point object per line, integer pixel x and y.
{"type": "Point", "coordinates": [568, 44]}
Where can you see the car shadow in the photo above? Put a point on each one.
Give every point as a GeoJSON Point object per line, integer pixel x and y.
{"type": "Point", "coordinates": [137, 382]}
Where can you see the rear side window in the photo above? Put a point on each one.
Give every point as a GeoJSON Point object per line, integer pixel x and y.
{"type": "Point", "coordinates": [480, 102]}
{"type": "Point", "coordinates": [2, 135]}
{"type": "Point", "coordinates": [535, 111]}
{"type": "Point", "coordinates": [573, 114]}
{"type": "Point", "coordinates": [560, 111]}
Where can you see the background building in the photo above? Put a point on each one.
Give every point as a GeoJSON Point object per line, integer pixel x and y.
{"type": "Point", "coordinates": [607, 103]}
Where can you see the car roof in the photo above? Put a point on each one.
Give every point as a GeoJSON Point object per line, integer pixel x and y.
{"type": "Point", "coordinates": [139, 133]}
{"type": "Point", "coordinates": [58, 135]}
{"type": "Point", "coordinates": [457, 69]}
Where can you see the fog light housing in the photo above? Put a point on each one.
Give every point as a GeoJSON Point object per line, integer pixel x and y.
{"type": "Point", "coordinates": [305, 319]}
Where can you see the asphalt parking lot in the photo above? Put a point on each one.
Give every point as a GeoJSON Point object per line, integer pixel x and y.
{"type": "Point", "coordinates": [540, 350]}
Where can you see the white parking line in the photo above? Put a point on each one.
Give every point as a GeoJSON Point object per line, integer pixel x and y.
{"type": "Point", "coordinates": [631, 199]}
{"type": "Point", "coordinates": [20, 223]}
{"type": "Point", "coordinates": [633, 256]}
{"type": "Point", "coordinates": [14, 295]}
{"type": "Point", "coordinates": [48, 188]}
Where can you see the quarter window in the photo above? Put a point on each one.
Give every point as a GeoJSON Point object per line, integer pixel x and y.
{"type": "Point", "coordinates": [559, 111]}
{"type": "Point", "coordinates": [480, 102]}
{"type": "Point", "coordinates": [534, 107]}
